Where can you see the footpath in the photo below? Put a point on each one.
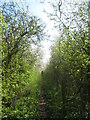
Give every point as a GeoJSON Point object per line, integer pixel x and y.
{"type": "Point", "coordinates": [43, 113]}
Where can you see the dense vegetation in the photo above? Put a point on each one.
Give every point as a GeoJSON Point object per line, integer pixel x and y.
{"type": "Point", "coordinates": [66, 77]}
{"type": "Point", "coordinates": [20, 75]}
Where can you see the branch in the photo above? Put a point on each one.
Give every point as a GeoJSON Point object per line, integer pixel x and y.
{"type": "Point", "coordinates": [75, 94]}
{"type": "Point", "coordinates": [14, 50]}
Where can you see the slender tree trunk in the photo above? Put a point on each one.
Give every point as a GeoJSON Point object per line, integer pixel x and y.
{"type": "Point", "coordinates": [63, 97]}
{"type": "Point", "coordinates": [88, 86]}
{"type": "Point", "coordinates": [89, 103]}
{"type": "Point", "coordinates": [83, 102]}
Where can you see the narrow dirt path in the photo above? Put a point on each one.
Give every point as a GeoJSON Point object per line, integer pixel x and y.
{"type": "Point", "coordinates": [43, 114]}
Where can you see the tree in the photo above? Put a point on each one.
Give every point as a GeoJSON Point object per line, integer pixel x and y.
{"type": "Point", "coordinates": [70, 58]}
{"type": "Point", "coordinates": [19, 32]}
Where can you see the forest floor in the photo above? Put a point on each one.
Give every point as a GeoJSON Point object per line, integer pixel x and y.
{"type": "Point", "coordinates": [43, 113]}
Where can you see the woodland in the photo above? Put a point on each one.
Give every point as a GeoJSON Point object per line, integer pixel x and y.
{"type": "Point", "coordinates": [64, 83]}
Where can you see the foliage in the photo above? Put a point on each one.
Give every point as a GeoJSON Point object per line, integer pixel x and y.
{"type": "Point", "coordinates": [1, 23]}
{"type": "Point", "coordinates": [66, 78]}
{"type": "Point", "coordinates": [20, 77]}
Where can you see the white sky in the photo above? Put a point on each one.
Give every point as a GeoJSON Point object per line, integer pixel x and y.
{"type": "Point", "coordinates": [36, 8]}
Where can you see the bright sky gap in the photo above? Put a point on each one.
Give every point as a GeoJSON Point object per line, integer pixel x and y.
{"type": "Point", "coordinates": [37, 8]}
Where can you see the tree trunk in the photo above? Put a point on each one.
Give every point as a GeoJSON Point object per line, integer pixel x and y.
{"type": "Point", "coordinates": [83, 102]}
{"type": "Point", "coordinates": [88, 87]}
{"type": "Point", "coordinates": [63, 97]}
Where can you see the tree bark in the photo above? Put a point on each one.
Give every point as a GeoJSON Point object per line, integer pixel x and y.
{"type": "Point", "coordinates": [63, 97]}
